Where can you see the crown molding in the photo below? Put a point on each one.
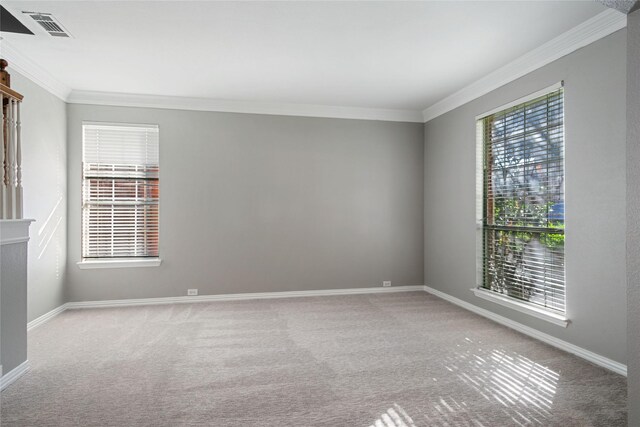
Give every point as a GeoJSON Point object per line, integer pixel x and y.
{"type": "Point", "coordinates": [33, 71]}
{"type": "Point", "coordinates": [601, 25]}
{"type": "Point", "coordinates": [247, 107]}
{"type": "Point", "coordinates": [588, 32]}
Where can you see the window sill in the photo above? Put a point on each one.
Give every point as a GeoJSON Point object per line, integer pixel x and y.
{"type": "Point", "coordinates": [119, 263]}
{"type": "Point", "coordinates": [523, 307]}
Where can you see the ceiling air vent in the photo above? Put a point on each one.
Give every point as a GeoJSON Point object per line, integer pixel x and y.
{"type": "Point", "coordinates": [50, 24]}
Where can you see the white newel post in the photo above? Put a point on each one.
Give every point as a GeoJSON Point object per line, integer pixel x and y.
{"type": "Point", "coordinates": [19, 207]}
{"type": "Point", "coordinates": [10, 158]}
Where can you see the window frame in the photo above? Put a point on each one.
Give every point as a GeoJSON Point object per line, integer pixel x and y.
{"type": "Point", "coordinates": [115, 262]}
{"type": "Point", "coordinates": [536, 310]}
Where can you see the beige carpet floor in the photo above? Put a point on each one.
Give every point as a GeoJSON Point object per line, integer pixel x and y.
{"type": "Point", "coordinates": [384, 360]}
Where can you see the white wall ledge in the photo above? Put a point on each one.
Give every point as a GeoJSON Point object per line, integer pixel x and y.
{"type": "Point", "coordinates": [14, 231]}
{"type": "Point", "coordinates": [118, 263]}
{"type": "Point", "coordinates": [523, 307]}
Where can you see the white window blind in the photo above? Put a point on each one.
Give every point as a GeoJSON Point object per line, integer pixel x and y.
{"type": "Point", "coordinates": [120, 190]}
{"type": "Point", "coordinates": [523, 201]}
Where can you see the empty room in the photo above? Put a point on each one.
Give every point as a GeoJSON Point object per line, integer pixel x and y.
{"type": "Point", "coordinates": [320, 213]}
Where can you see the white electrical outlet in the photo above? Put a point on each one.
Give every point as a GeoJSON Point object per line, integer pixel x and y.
{"type": "Point", "coordinates": [386, 283]}
{"type": "Point", "coordinates": [192, 292]}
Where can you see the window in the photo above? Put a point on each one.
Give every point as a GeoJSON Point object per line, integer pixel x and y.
{"type": "Point", "coordinates": [522, 209]}
{"type": "Point", "coordinates": [120, 191]}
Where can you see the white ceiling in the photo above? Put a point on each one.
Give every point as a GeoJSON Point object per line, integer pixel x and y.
{"type": "Point", "coordinates": [391, 55]}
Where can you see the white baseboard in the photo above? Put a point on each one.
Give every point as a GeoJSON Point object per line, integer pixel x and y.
{"type": "Point", "coordinates": [551, 340]}
{"type": "Point", "coordinates": [10, 377]}
{"type": "Point", "coordinates": [590, 356]}
{"type": "Point", "coordinates": [236, 297]}
{"type": "Point", "coordinates": [46, 317]}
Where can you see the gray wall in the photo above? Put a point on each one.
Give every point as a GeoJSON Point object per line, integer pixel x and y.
{"type": "Point", "coordinates": [633, 215]}
{"type": "Point", "coordinates": [595, 123]}
{"type": "Point", "coordinates": [13, 313]}
{"type": "Point", "coordinates": [257, 203]}
{"type": "Point", "coordinates": [44, 171]}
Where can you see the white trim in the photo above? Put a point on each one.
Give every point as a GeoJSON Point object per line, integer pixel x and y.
{"type": "Point", "coordinates": [480, 130]}
{"type": "Point", "coordinates": [43, 78]}
{"type": "Point", "coordinates": [527, 98]}
{"type": "Point", "coordinates": [590, 356]}
{"type": "Point", "coordinates": [34, 72]}
{"type": "Point", "coordinates": [119, 263]}
{"type": "Point", "coordinates": [541, 336]}
{"type": "Point", "coordinates": [16, 240]}
{"type": "Point", "coordinates": [588, 32]}
{"type": "Point", "coordinates": [14, 231]}
{"type": "Point", "coordinates": [204, 298]}
{"type": "Point", "coordinates": [46, 317]}
{"type": "Point", "coordinates": [11, 376]}
{"type": "Point", "coordinates": [599, 26]}
{"type": "Point", "coordinates": [522, 307]}
{"type": "Point", "coordinates": [236, 297]}
{"type": "Point", "coordinates": [247, 107]}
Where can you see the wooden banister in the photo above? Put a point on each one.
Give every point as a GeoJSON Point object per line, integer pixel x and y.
{"type": "Point", "coordinates": [7, 92]}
